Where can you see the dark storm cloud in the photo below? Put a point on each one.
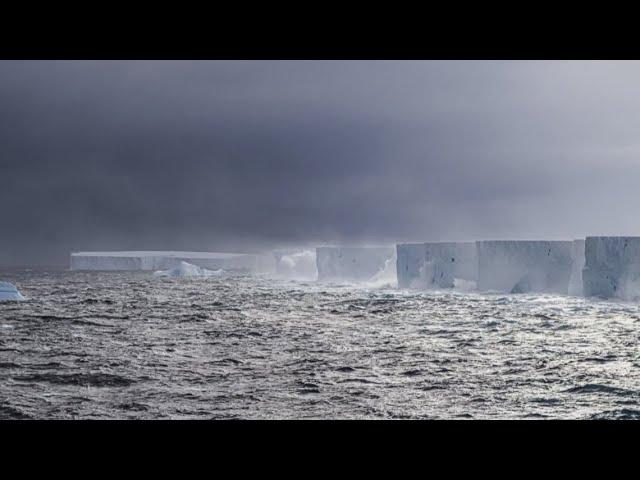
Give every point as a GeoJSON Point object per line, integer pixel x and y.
{"type": "Point", "coordinates": [241, 155]}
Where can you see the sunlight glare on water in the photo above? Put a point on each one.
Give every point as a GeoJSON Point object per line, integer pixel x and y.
{"type": "Point", "coordinates": [130, 345]}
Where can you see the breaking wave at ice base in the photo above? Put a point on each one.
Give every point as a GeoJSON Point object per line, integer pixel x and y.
{"type": "Point", "coordinates": [185, 269]}
{"type": "Point", "coordinates": [386, 277]}
{"type": "Point", "coordinates": [298, 266]}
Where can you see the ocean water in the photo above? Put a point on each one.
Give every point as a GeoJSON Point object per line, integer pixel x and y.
{"type": "Point", "coordinates": [130, 345]}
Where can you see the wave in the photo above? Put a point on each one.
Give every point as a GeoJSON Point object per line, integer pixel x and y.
{"type": "Point", "coordinates": [299, 265]}
{"type": "Point", "coordinates": [386, 276]}
{"type": "Point", "coordinates": [599, 388]}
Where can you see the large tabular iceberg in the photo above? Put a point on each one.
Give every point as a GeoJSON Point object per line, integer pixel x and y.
{"type": "Point", "coordinates": [8, 291]}
{"type": "Point", "coordinates": [612, 267]}
{"type": "Point", "coordinates": [296, 264]}
{"type": "Point", "coordinates": [143, 260]}
{"type": "Point", "coordinates": [514, 266]}
{"type": "Point", "coordinates": [353, 264]}
{"type": "Point", "coordinates": [435, 265]}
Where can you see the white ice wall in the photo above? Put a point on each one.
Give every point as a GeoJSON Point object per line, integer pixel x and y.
{"type": "Point", "coordinates": [516, 266]}
{"type": "Point", "coordinates": [466, 261]}
{"type": "Point", "coordinates": [435, 264]}
{"type": "Point", "coordinates": [409, 260]}
{"type": "Point", "coordinates": [575, 281]}
{"type": "Point", "coordinates": [612, 267]}
{"type": "Point", "coordinates": [355, 264]}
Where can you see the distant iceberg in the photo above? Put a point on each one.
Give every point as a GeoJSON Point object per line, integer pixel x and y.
{"type": "Point", "coordinates": [8, 291]}
{"type": "Point", "coordinates": [157, 260]}
{"type": "Point", "coordinates": [185, 269]}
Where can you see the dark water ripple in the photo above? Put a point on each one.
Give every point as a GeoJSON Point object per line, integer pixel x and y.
{"type": "Point", "coordinates": [127, 345]}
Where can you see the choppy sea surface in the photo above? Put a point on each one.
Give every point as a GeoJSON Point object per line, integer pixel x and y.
{"type": "Point", "coordinates": [129, 345]}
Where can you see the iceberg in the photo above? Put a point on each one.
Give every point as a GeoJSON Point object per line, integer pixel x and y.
{"type": "Point", "coordinates": [154, 260]}
{"type": "Point", "coordinates": [577, 254]}
{"type": "Point", "coordinates": [519, 266]}
{"type": "Point", "coordinates": [409, 260]}
{"type": "Point", "coordinates": [612, 267]}
{"type": "Point", "coordinates": [185, 269]}
{"type": "Point", "coordinates": [296, 264]}
{"type": "Point", "coordinates": [8, 291]}
{"type": "Point", "coordinates": [353, 264]}
{"type": "Point", "coordinates": [435, 265]}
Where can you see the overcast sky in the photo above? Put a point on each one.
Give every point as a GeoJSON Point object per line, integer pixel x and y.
{"type": "Point", "coordinates": [242, 155]}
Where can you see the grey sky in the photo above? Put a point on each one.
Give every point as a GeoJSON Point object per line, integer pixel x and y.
{"type": "Point", "coordinates": [243, 155]}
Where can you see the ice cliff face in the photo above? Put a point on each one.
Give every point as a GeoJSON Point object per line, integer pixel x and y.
{"type": "Point", "coordinates": [435, 265]}
{"type": "Point", "coordinates": [575, 281]}
{"type": "Point", "coordinates": [410, 258]}
{"type": "Point", "coordinates": [8, 291]}
{"type": "Point", "coordinates": [296, 264]}
{"type": "Point", "coordinates": [353, 264]}
{"type": "Point", "coordinates": [612, 267]}
{"type": "Point", "coordinates": [514, 266]}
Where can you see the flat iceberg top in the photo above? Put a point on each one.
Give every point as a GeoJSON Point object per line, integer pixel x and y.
{"type": "Point", "coordinates": [437, 243]}
{"type": "Point", "coordinates": [151, 253]}
{"type": "Point", "coordinates": [355, 249]}
{"type": "Point", "coordinates": [623, 237]}
{"type": "Point", "coordinates": [523, 242]}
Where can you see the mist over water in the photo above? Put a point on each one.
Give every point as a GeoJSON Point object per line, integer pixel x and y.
{"type": "Point", "coordinates": [296, 264]}
{"type": "Point", "coordinates": [131, 345]}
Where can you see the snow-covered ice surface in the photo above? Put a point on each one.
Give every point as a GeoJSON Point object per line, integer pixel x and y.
{"type": "Point", "coordinates": [353, 264]}
{"type": "Point", "coordinates": [520, 266]}
{"type": "Point", "coordinates": [612, 267]}
{"type": "Point", "coordinates": [159, 260]}
{"type": "Point", "coordinates": [8, 291]}
{"type": "Point", "coordinates": [185, 269]}
{"type": "Point", "coordinates": [123, 345]}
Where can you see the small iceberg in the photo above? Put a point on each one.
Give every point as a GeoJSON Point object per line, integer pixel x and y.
{"type": "Point", "coordinates": [185, 269]}
{"type": "Point", "coordinates": [8, 291]}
